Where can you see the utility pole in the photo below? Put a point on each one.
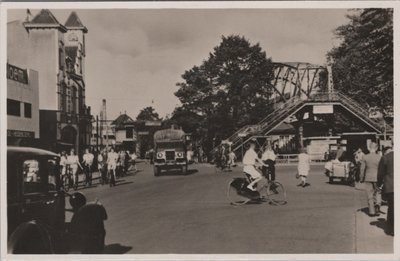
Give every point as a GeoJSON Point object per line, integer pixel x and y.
{"type": "Point", "coordinates": [97, 132]}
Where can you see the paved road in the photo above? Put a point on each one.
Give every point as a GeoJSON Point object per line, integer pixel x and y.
{"type": "Point", "coordinates": [191, 214]}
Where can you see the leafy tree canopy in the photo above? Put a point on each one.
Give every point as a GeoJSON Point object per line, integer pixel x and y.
{"type": "Point", "coordinates": [363, 63]}
{"type": "Point", "coordinates": [230, 89]}
{"type": "Point", "coordinates": [148, 114]}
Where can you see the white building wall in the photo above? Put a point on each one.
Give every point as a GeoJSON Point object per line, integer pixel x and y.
{"type": "Point", "coordinates": [28, 93]}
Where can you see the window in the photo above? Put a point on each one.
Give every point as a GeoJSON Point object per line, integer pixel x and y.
{"type": "Point", "coordinates": [27, 110]}
{"type": "Point", "coordinates": [13, 107]}
{"type": "Point", "coordinates": [32, 179]}
{"type": "Point", "coordinates": [129, 133]}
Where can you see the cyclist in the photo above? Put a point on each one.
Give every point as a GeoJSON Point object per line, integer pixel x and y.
{"type": "Point", "coordinates": [87, 162]}
{"type": "Point", "coordinates": [249, 162]}
{"type": "Point", "coordinates": [63, 162]}
{"type": "Point", "coordinates": [268, 157]}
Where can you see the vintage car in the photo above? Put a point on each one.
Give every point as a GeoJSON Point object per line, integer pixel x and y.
{"type": "Point", "coordinates": [36, 208]}
{"type": "Point", "coordinates": [170, 151]}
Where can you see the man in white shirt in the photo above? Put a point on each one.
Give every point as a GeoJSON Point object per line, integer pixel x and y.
{"type": "Point", "coordinates": [112, 159]}
{"type": "Point", "coordinates": [249, 162]}
{"type": "Point", "coordinates": [268, 158]}
{"type": "Point", "coordinates": [87, 165]}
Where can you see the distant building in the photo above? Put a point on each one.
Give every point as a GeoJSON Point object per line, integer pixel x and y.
{"type": "Point", "coordinates": [57, 52]}
{"type": "Point", "coordinates": [125, 134]}
{"type": "Point", "coordinates": [22, 106]}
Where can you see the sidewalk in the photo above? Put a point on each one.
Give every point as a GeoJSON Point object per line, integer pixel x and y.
{"type": "Point", "coordinates": [369, 231]}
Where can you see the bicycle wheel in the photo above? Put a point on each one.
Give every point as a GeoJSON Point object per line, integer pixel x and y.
{"type": "Point", "coordinates": [235, 197]}
{"type": "Point", "coordinates": [276, 193]}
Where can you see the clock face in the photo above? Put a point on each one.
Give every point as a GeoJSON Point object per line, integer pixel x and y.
{"type": "Point", "coordinates": [73, 37]}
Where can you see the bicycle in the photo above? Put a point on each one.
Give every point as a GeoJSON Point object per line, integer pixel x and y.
{"type": "Point", "coordinates": [270, 191]}
{"type": "Point", "coordinates": [67, 181]}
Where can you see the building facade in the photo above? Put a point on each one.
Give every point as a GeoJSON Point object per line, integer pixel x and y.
{"type": "Point", "coordinates": [57, 52]}
{"type": "Point", "coordinates": [22, 106]}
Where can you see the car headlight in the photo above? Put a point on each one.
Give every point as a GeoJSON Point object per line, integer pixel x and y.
{"type": "Point", "coordinates": [159, 155]}
{"type": "Point", "coordinates": [179, 154]}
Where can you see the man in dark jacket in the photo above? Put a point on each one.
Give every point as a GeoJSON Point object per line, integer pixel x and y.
{"type": "Point", "coordinates": [385, 177]}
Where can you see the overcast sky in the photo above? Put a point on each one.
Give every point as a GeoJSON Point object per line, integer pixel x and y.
{"type": "Point", "coordinates": [136, 57]}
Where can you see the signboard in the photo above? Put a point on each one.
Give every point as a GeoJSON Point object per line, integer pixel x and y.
{"type": "Point", "coordinates": [17, 74]}
{"type": "Point", "coordinates": [20, 134]}
{"type": "Point", "coordinates": [323, 109]}
{"type": "Point", "coordinates": [143, 133]}
{"type": "Point", "coordinates": [153, 123]}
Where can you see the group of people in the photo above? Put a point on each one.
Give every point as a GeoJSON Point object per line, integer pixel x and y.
{"type": "Point", "coordinates": [376, 173]}
{"type": "Point", "coordinates": [110, 164]}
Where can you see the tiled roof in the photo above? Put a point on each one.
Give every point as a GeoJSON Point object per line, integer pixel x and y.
{"type": "Point", "coordinates": [122, 119]}
{"type": "Point", "coordinates": [74, 22]}
{"type": "Point", "coordinates": [45, 19]}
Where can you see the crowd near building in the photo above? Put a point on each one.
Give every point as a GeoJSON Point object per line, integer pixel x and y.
{"type": "Point", "coordinates": [46, 104]}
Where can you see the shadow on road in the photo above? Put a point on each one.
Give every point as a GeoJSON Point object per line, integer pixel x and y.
{"type": "Point", "coordinates": [381, 223]}
{"type": "Point", "coordinates": [122, 182]}
{"type": "Point", "coordinates": [178, 172]}
{"type": "Point", "coordinates": [116, 249]}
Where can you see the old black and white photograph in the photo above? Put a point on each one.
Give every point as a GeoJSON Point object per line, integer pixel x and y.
{"type": "Point", "coordinates": [198, 129]}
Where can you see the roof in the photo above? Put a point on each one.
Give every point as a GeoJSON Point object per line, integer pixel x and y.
{"type": "Point", "coordinates": [45, 19]}
{"type": "Point", "coordinates": [73, 22]}
{"type": "Point", "coordinates": [122, 120]}
{"type": "Point", "coordinates": [11, 151]}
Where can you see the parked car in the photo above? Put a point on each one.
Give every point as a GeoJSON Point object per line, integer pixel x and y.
{"type": "Point", "coordinates": [36, 208]}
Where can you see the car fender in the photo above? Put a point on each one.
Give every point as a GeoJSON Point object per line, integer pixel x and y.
{"type": "Point", "coordinates": [30, 238]}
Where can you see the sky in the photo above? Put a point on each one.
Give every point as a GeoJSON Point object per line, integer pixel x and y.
{"type": "Point", "coordinates": [134, 58]}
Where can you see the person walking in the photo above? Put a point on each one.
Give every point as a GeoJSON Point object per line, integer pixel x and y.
{"type": "Point", "coordinates": [385, 178]}
{"type": "Point", "coordinates": [358, 157]}
{"type": "Point", "coordinates": [87, 162]}
{"type": "Point", "coordinates": [269, 157]}
{"type": "Point", "coordinates": [112, 159]}
{"type": "Point", "coordinates": [303, 167]}
{"type": "Point", "coordinates": [73, 162]}
{"type": "Point", "coordinates": [63, 163]}
{"type": "Point", "coordinates": [369, 176]}
{"type": "Point", "coordinates": [133, 161]}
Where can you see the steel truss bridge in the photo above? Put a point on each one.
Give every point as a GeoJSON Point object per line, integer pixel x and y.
{"type": "Point", "coordinates": [295, 86]}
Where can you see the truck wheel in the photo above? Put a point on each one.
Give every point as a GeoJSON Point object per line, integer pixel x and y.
{"type": "Point", "coordinates": [157, 171]}
{"type": "Point", "coordinates": [30, 238]}
{"type": "Point", "coordinates": [184, 170]}
{"type": "Point", "coordinates": [330, 180]}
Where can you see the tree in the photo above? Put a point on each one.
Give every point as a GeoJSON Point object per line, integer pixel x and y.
{"type": "Point", "coordinates": [148, 114]}
{"type": "Point", "coordinates": [230, 89]}
{"type": "Point", "coordinates": [362, 64]}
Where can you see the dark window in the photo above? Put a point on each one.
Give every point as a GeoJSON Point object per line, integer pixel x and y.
{"type": "Point", "coordinates": [129, 133]}
{"type": "Point", "coordinates": [13, 107]}
{"type": "Point", "coordinates": [27, 110]}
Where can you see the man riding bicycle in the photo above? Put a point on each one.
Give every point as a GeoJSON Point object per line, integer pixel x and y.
{"type": "Point", "coordinates": [249, 165]}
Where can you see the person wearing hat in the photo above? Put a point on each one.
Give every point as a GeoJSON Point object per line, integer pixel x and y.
{"type": "Point", "coordinates": [385, 178]}
{"type": "Point", "coordinates": [369, 176]}
{"type": "Point", "coordinates": [249, 162]}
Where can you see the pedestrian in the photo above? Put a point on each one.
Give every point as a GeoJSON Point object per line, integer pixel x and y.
{"type": "Point", "coordinates": [121, 163]}
{"type": "Point", "coordinates": [385, 178]}
{"type": "Point", "coordinates": [100, 166]}
{"type": "Point", "coordinates": [232, 159]}
{"type": "Point", "coordinates": [269, 157]}
{"type": "Point", "coordinates": [133, 160]}
{"type": "Point", "coordinates": [303, 167]}
{"type": "Point", "coordinates": [73, 162]}
{"type": "Point", "coordinates": [87, 163]}
{"type": "Point", "coordinates": [369, 176]}
{"type": "Point", "coordinates": [358, 157]}
{"type": "Point", "coordinates": [112, 159]}
{"type": "Point", "coordinates": [63, 162]}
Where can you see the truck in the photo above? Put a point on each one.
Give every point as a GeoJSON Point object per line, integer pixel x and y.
{"type": "Point", "coordinates": [170, 151]}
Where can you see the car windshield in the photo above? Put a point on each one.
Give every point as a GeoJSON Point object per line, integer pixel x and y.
{"type": "Point", "coordinates": [171, 145]}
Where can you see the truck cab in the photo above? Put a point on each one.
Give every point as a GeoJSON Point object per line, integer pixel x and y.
{"type": "Point", "coordinates": [169, 151]}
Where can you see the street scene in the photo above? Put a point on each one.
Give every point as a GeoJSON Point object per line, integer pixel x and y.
{"type": "Point", "coordinates": [200, 131]}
